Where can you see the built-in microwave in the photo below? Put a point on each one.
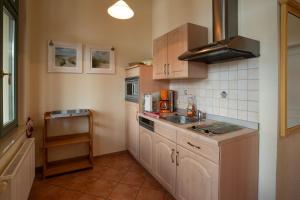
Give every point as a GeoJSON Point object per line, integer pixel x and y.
{"type": "Point", "coordinates": [132, 89]}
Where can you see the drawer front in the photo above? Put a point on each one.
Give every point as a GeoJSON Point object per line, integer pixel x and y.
{"type": "Point", "coordinates": [198, 146]}
{"type": "Point", "coordinates": [166, 131]}
{"type": "Point", "coordinates": [133, 72]}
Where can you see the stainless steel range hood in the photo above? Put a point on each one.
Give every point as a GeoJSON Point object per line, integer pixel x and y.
{"type": "Point", "coordinates": [228, 45]}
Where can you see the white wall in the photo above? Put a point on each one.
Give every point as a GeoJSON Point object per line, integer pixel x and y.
{"type": "Point", "coordinates": [258, 20]}
{"type": "Point", "coordinates": [86, 22]}
{"type": "Point", "coordinates": [169, 14]}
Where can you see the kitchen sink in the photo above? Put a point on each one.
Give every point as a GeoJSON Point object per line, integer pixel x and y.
{"type": "Point", "coordinates": [180, 119]}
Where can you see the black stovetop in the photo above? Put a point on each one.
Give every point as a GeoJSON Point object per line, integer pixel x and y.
{"type": "Point", "coordinates": [216, 128]}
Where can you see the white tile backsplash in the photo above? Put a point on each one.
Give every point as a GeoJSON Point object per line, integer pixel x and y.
{"type": "Point", "coordinates": [243, 74]}
{"type": "Point", "coordinates": [232, 75]}
{"type": "Point", "coordinates": [242, 84]}
{"type": "Point", "coordinates": [242, 105]}
{"type": "Point", "coordinates": [242, 115]}
{"type": "Point", "coordinates": [224, 76]}
{"type": "Point", "coordinates": [242, 95]}
{"type": "Point", "coordinates": [233, 113]}
{"type": "Point", "coordinates": [240, 79]}
{"type": "Point", "coordinates": [253, 84]}
{"type": "Point", "coordinates": [253, 73]}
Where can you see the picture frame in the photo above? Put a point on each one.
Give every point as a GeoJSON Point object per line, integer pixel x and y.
{"type": "Point", "coordinates": [64, 57]}
{"type": "Point", "coordinates": [99, 60]}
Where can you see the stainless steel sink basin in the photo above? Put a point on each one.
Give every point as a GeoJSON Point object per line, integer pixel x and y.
{"type": "Point", "coordinates": [180, 119]}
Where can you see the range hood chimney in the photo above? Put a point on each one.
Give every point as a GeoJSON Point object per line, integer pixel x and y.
{"type": "Point", "coordinates": [227, 45]}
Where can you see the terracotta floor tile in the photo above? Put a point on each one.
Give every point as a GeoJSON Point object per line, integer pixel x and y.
{"type": "Point", "coordinates": [121, 164]}
{"type": "Point", "coordinates": [116, 177]}
{"type": "Point", "coordinates": [151, 183]}
{"type": "Point", "coordinates": [101, 188]}
{"type": "Point", "coordinates": [104, 161]}
{"type": "Point", "coordinates": [67, 195]}
{"type": "Point", "coordinates": [113, 174]}
{"type": "Point", "coordinates": [79, 183]}
{"type": "Point", "coordinates": [136, 167]}
{"type": "Point", "coordinates": [95, 172]}
{"type": "Point", "coordinates": [90, 197]}
{"type": "Point", "coordinates": [150, 194]}
{"type": "Point", "coordinates": [60, 180]}
{"type": "Point", "coordinates": [168, 196]}
{"type": "Point", "coordinates": [124, 192]}
{"type": "Point", "coordinates": [46, 192]}
{"type": "Point", "coordinates": [134, 178]}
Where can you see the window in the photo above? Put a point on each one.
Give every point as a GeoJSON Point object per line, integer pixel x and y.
{"type": "Point", "coordinates": [8, 66]}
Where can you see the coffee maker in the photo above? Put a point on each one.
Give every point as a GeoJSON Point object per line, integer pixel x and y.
{"type": "Point", "coordinates": [167, 101]}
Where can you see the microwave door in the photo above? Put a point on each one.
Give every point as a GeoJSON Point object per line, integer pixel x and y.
{"type": "Point", "coordinates": [132, 89]}
{"type": "Point", "coordinates": [135, 89]}
{"type": "Point", "coordinates": [129, 89]}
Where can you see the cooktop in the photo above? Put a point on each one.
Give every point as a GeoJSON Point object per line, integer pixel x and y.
{"type": "Point", "coordinates": [216, 128]}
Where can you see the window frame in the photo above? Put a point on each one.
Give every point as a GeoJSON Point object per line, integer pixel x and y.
{"type": "Point", "coordinates": [12, 9]}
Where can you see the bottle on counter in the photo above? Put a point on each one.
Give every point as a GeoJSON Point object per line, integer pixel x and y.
{"type": "Point", "coordinates": [191, 107]}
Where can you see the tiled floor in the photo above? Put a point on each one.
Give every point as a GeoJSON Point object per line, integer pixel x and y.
{"type": "Point", "coordinates": [114, 177]}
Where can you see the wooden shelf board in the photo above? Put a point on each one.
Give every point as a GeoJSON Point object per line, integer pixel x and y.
{"type": "Point", "coordinates": [67, 165]}
{"type": "Point", "coordinates": [48, 116]}
{"type": "Point", "coordinates": [67, 139]}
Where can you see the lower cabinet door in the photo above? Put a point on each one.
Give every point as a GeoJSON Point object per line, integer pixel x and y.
{"type": "Point", "coordinates": [197, 177]}
{"type": "Point", "coordinates": [164, 162]}
{"type": "Point", "coordinates": [146, 148]}
{"type": "Point", "coordinates": [132, 128]}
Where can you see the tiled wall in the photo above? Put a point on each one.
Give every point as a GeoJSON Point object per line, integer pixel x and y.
{"type": "Point", "coordinates": [239, 79]}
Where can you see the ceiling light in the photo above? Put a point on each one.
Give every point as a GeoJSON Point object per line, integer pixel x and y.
{"type": "Point", "coordinates": [120, 10]}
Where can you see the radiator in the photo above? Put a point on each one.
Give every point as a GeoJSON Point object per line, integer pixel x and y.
{"type": "Point", "coordinates": [17, 178]}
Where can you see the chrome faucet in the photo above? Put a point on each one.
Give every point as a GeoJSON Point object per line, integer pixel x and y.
{"type": "Point", "coordinates": [201, 116]}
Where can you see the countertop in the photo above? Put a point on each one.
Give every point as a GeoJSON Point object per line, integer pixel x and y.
{"type": "Point", "coordinates": [215, 139]}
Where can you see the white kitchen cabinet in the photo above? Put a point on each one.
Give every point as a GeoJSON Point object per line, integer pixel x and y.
{"type": "Point", "coordinates": [146, 148]}
{"type": "Point", "coordinates": [132, 128]}
{"type": "Point", "coordinates": [195, 167]}
{"type": "Point", "coordinates": [197, 177]}
{"type": "Point", "coordinates": [164, 162]}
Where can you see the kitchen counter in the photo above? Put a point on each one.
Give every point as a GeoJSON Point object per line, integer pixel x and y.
{"type": "Point", "coordinates": [214, 140]}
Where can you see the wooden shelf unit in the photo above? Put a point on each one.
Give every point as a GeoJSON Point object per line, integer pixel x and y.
{"type": "Point", "coordinates": [67, 165]}
{"type": "Point", "coordinates": [71, 164]}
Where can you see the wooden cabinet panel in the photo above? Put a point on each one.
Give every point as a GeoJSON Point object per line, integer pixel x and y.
{"type": "Point", "coordinates": [166, 131]}
{"type": "Point", "coordinates": [132, 128]}
{"type": "Point", "coordinates": [168, 47]}
{"type": "Point", "coordinates": [146, 148]}
{"type": "Point", "coordinates": [177, 44]}
{"type": "Point", "coordinates": [164, 162]}
{"type": "Point", "coordinates": [160, 57]}
{"type": "Point", "coordinates": [197, 177]}
{"type": "Point", "coordinates": [198, 146]}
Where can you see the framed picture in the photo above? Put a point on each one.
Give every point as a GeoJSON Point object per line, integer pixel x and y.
{"type": "Point", "coordinates": [64, 57]}
{"type": "Point", "coordinates": [99, 60]}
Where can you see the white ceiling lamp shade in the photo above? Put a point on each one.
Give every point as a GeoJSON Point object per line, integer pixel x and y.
{"type": "Point", "coordinates": [120, 10]}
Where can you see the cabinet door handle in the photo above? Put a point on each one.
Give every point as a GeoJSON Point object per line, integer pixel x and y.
{"type": "Point", "coordinates": [172, 155]}
{"type": "Point", "coordinates": [136, 116]}
{"type": "Point", "coordinates": [177, 158]}
{"type": "Point", "coordinates": [2, 74]}
{"type": "Point", "coordinates": [192, 145]}
{"type": "Point", "coordinates": [165, 65]}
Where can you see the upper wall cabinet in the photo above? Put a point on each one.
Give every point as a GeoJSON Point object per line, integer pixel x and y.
{"type": "Point", "coordinates": [168, 47]}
